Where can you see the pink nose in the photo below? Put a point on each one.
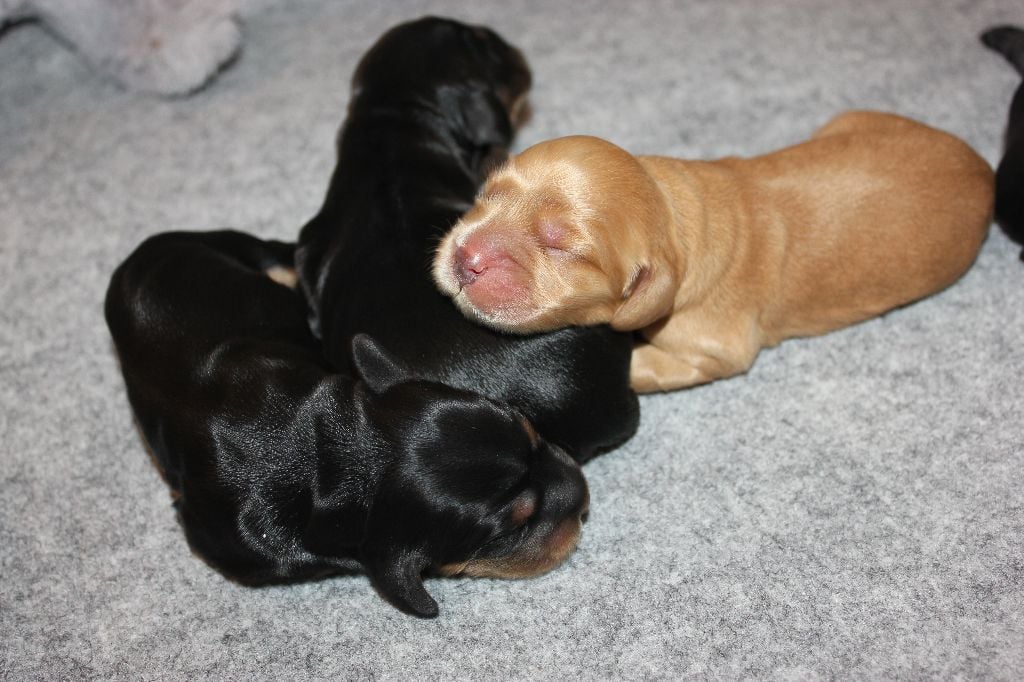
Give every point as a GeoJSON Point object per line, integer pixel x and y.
{"type": "Point", "coordinates": [467, 266]}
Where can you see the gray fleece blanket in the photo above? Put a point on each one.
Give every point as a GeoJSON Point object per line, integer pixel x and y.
{"type": "Point", "coordinates": [852, 507]}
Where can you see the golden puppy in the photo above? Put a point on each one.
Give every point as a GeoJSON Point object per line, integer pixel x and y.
{"type": "Point", "coordinates": [714, 260]}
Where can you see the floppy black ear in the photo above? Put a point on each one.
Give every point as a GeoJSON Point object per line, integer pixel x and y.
{"type": "Point", "coordinates": [481, 114]}
{"type": "Point", "coordinates": [378, 368]}
{"type": "Point", "coordinates": [487, 118]}
{"type": "Point", "coordinates": [398, 577]}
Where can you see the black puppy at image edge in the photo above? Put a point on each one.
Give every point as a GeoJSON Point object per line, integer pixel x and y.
{"type": "Point", "coordinates": [284, 470]}
{"type": "Point", "coordinates": [433, 109]}
{"type": "Point", "coordinates": [1009, 210]}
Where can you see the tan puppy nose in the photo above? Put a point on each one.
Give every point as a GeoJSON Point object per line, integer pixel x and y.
{"type": "Point", "coordinates": [467, 266]}
{"type": "Point", "coordinates": [480, 253]}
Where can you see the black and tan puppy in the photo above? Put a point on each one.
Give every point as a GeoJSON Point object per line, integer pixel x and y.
{"type": "Point", "coordinates": [432, 110]}
{"type": "Point", "coordinates": [1009, 41]}
{"type": "Point", "coordinates": [285, 470]}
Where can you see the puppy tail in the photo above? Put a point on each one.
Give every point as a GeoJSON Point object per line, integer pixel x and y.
{"type": "Point", "coordinates": [1007, 41]}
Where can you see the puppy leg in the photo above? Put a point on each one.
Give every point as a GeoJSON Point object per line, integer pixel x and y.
{"type": "Point", "coordinates": [283, 275]}
{"type": "Point", "coordinates": [655, 369]}
{"type": "Point", "coordinates": [275, 258]}
{"type": "Point", "coordinates": [694, 348]}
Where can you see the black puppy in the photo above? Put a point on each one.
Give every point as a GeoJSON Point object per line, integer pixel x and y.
{"type": "Point", "coordinates": [285, 470]}
{"type": "Point", "coordinates": [432, 111]}
{"type": "Point", "coordinates": [1009, 41]}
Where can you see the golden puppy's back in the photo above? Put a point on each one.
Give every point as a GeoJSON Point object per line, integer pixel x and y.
{"type": "Point", "coordinates": [881, 210]}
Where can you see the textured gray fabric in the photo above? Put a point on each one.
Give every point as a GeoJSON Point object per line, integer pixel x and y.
{"type": "Point", "coordinates": [852, 507]}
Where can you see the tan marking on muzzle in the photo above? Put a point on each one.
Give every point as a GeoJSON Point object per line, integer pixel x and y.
{"type": "Point", "coordinates": [530, 563]}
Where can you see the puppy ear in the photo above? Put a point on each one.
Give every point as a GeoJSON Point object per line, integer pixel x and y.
{"type": "Point", "coordinates": [398, 577]}
{"type": "Point", "coordinates": [378, 368]}
{"type": "Point", "coordinates": [648, 296]}
{"type": "Point", "coordinates": [483, 117]}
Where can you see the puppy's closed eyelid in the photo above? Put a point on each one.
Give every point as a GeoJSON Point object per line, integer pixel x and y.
{"type": "Point", "coordinates": [562, 255]}
{"type": "Point", "coordinates": [553, 232]}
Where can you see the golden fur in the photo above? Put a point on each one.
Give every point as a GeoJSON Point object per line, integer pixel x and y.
{"type": "Point", "coordinates": [713, 260]}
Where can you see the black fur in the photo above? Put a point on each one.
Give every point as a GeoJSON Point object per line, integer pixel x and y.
{"type": "Point", "coordinates": [429, 116]}
{"type": "Point", "coordinates": [286, 470]}
{"type": "Point", "coordinates": [1009, 41]}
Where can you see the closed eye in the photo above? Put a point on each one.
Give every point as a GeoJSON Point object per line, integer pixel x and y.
{"type": "Point", "coordinates": [557, 253]}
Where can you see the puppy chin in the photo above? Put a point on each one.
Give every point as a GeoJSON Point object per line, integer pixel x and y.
{"type": "Point", "coordinates": [505, 319]}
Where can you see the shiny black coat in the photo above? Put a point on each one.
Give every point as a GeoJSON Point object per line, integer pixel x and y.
{"type": "Point", "coordinates": [283, 469]}
{"type": "Point", "coordinates": [430, 114]}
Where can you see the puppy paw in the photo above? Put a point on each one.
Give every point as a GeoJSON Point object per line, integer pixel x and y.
{"type": "Point", "coordinates": [283, 276]}
{"type": "Point", "coordinates": [653, 369]}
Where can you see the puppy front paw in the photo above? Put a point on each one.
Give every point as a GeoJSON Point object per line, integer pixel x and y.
{"type": "Point", "coordinates": [654, 369]}
{"type": "Point", "coordinates": [284, 276]}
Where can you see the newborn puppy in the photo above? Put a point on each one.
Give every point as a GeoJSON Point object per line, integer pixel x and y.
{"type": "Point", "coordinates": [1009, 41]}
{"type": "Point", "coordinates": [283, 469]}
{"type": "Point", "coordinates": [713, 260]}
{"type": "Point", "coordinates": [432, 110]}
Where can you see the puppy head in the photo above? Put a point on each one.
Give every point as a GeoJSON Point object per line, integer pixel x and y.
{"type": "Point", "coordinates": [572, 231]}
{"type": "Point", "coordinates": [468, 75]}
{"type": "Point", "coordinates": [472, 489]}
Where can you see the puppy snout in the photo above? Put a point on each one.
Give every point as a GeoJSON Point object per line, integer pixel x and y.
{"type": "Point", "coordinates": [468, 266]}
{"type": "Point", "coordinates": [581, 510]}
{"type": "Point", "coordinates": [571, 498]}
{"type": "Point", "coordinates": [584, 512]}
